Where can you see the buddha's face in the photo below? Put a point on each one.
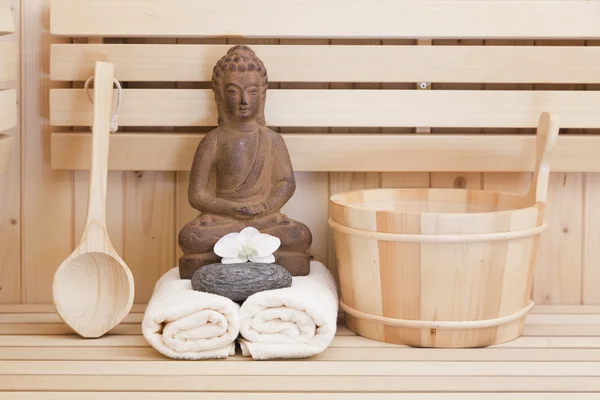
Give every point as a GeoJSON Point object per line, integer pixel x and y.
{"type": "Point", "coordinates": [241, 95]}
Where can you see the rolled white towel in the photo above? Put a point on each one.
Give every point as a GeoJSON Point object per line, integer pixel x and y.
{"type": "Point", "coordinates": [295, 322]}
{"type": "Point", "coordinates": [182, 323]}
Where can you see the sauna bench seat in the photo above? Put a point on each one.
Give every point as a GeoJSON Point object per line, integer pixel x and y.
{"type": "Point", "coordinates": [40, 359]}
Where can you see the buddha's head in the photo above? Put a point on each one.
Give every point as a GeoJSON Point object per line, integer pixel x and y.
{"type": "Point", "coordinates": [240, 86]}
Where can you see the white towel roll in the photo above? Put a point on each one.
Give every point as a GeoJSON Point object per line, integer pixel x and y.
{"type": "Point", "coordinates": [295, 322]}
{"type": "Point", "coordinates": [182, 323]}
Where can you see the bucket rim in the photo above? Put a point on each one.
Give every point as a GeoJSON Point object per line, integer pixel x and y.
{"type": "Point", "coordinates": [441, 238]}
{"type": "Point", "coordinates": [538, 205]}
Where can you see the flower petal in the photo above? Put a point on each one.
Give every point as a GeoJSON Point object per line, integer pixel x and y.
{"type": "Point", "coordinates": [227, 246]}
{"type": "Point", "coordinates": [247, 233]}
{"type": "Point", "coordinates": [234, 260]}
{"type": "Point", "coordinates": [265, 244]}
{"type": "Point", "coordinates": [264, 260]}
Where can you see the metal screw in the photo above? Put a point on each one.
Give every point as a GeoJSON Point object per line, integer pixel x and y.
{"type": "Point", "coordinates": [423, 85]}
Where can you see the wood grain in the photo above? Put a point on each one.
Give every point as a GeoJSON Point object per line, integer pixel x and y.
{"type": "Point", "coordinates": [8, 109]}
{"type": "Point", "coordinates": [9, 62]}
{"type": "Point", "coordinates": [355, 108]}
{"type": "Point", "coordinates": [338, 152]}
{"type": "Point", "coordinates": [47, 226]}
{"type": "Point", "coordinates": [558, 275]}
{"type": "Point", "coordinates": [590, 274]}
{"type": "Point", "coordinates": [289, 62]}
{"type": "Point", "coordinates": [7, 24]}
{"type": "Point", "coordinates": [10, 170]}
{"type": "Point", "coordinates": [428, 19]}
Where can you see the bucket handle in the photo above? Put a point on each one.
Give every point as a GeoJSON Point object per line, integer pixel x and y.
{"type": "Point", "coordinates": [546, 138]}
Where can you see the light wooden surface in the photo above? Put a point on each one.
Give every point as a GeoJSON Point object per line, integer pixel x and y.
{"type": "Point", "coordinates": [318, 63]}
{"type": "Point", "coordinates": [9, 62]}
{"type": "Point", "coordinates": [10, 156]}
{"type": "Point", "coordinates": [145, 207]}
{"type": "Point", "coordinates": [336, 19]}
{"type": "Point", "coordinates": [7, 148]}
{"type": "Point", "coordinates": [8, 109]}
{"type": "Point", "coordinates": [93, 288]}
{"type": "Point", "coordinates": [6, 20]}
{"type": "Point", "coordinates": [558, 357]}
{"type": "Point", "coordinates": [338, 152]}
{"type": "Point", "coordinates": [341, 108]}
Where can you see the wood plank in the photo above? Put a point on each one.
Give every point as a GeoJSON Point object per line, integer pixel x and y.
{"type": "Point", "coordinates": [48, 226]}
{"type": "Point", "coordinates": [343, 108]}
{"type": "Point", "coordinates": [318, 63]}
{"type": "Point", "coordinates": [294, 396]}
{"type": "Point", "coordinates": [135, 329]}
{"type": "Point", "coordinates": [553, 310]}
{"type": "Point", "coordinates": [10, 179]}
{"type": "Point", "coordinates": [8, 109]}
{"type": "Point", "coordinates": [61, 329]}
{"type": "Point", "coordinates": [9, 62]}
{"type": "Point", "coordinates": [331, 383]}
{"type": "Point", "coordinates": [6, 19]}
{"type": "Point", "coordinates": [48, 308]}
{"type": "Point", "coordinates": [533, 342]}
{"type": "Point", "coordinates": [357, 354]}
{"type": "Point", "coordinates": [149, 228]}
{"type": "Point", "coordinates": [354, 19]}
{"type": "Point", "coordinates": [300, 368]}
{"type": "Point", "coordinates": [53, 318]}
{"type": "Point", "coordinates": [338, 152]}
{"type": "Point", "coordinates": [7, 148]}
{"type": "Point", "coordinates": [590, 274]}
{"type": "Point", "coordinates": [559, 263]}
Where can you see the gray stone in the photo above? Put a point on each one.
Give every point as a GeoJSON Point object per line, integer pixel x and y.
{"type": "Point", "coordinates": [239, 281]}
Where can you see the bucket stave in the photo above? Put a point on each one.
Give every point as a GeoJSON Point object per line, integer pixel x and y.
{"type": "Point", "coordinates": [441, 267]}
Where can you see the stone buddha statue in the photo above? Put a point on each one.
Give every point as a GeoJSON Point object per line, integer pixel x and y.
{"type": "Point", "coordinates": [253, 171]}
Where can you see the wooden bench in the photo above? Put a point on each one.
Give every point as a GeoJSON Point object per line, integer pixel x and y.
{"type": "Point", "coordinates": [378, 94]}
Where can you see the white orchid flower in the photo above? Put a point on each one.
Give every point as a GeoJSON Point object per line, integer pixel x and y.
{"type": "Point", "coordinates": [247, 245]}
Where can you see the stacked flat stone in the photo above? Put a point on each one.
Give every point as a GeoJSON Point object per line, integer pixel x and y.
{"type": "Point", "coordinates": [239, 281]}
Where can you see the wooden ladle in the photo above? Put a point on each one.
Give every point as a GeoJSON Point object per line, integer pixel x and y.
{"type": "Point", "coordinates": [93, 288]}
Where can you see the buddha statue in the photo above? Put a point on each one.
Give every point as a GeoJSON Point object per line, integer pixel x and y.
{"type": "Point", "coordinates": [253, 171]}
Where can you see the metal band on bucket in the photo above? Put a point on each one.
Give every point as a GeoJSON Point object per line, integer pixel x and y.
{"type": "Point", "coordinates": [456, 238]}
{"type": "Point", "coordinates": [417, 324]}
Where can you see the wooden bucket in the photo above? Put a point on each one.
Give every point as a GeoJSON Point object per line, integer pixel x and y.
{"type": "Point", "coordinates": [441, 267]}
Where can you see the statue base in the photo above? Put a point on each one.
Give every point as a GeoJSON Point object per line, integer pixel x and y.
{"type": "Point", "coordinates": [298, 264]}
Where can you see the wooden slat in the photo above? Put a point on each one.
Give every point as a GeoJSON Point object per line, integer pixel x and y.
{"type": "Point", "coordinates": [355, 108]}
{"type": "Point", "coordinates": [8, 109]}
{"type": "Point", "coordinates": [300, 368]}
{"type": "Point", "coordinates": [358, 354]}
{"type": "Point", "coordinates": [52, 318]}
{"type": "Point", "coordinates": [7, 147]}
{"type": "Point", "coordinates": [294, 396]}
{"type": "Point", "coordinates": [6, 22]}
{"type": "Point", "coordinates": [534, 342]}
{"type": "Point", "coordinates": [339, 152]}
{"type": "Point", "coordinates": [331, 383]}
{"type": "Point", "coordinates": [140, 308]}
{"type": "Point", "coordinates": [48, 308]}
{"type": "Point", "coordinates": [347, 63]}
{"type": "Point", "coordinates": [330, 19]}
{"type": "Point", "coordinates": [9, 65]}
{"type": "Point", "coordinates": [42, 248]}
{"type": "Point", "coordinates": [135, 329]}
{"type": "Point", "coordinates": [61, 329]}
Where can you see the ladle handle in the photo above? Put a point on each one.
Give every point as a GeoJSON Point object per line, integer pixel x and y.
{"type": "Point", "coordinates": [103, 99]}
{"type": "Point", "coordinates": [546, 138]}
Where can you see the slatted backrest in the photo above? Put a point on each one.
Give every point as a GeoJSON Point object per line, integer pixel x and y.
{"type": "Point", "coordinates": [8, 97]}
{"type": "Point", "coordinates": [371, 90]}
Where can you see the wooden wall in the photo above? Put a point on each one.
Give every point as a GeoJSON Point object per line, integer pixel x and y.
{"type": "Point", "coordinates": [42, 210]}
